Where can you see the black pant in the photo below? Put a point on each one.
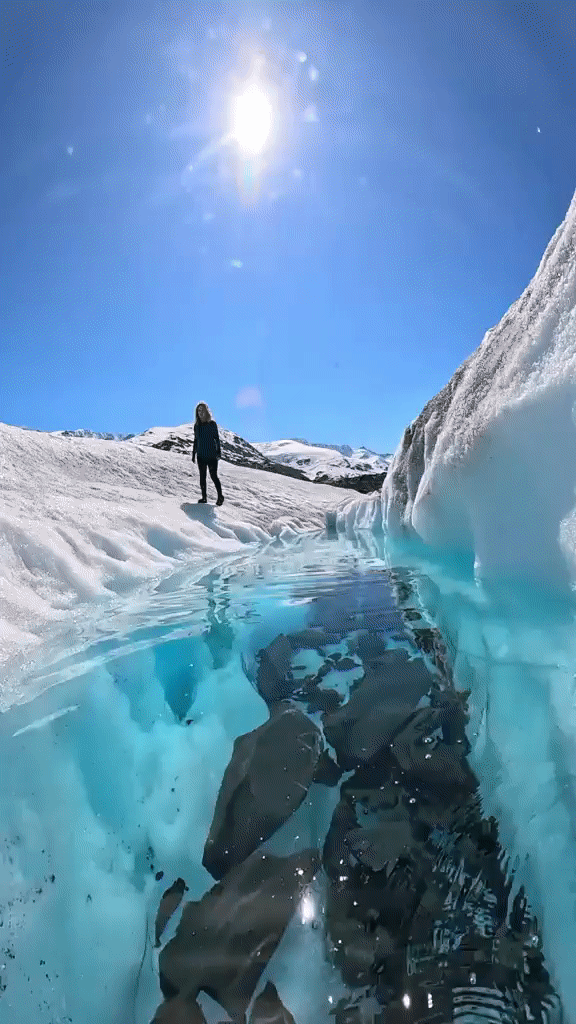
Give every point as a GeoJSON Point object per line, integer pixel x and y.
{"type": "Point", "coordinates": [212, 466]}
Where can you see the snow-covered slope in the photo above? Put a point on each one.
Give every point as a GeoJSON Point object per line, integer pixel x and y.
{"type": "Point", "coordinates": [235, 449]}
{"type": "Point", "coordinates": [324, 463]}
{"type": "Point", "coordinates": [361, 470]}
{"type": "Point", "coordinates": [489, 465]}
{"type": "Point", "coordinates": [86, 519]}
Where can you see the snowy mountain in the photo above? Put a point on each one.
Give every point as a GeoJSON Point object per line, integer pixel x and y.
{"type": "Point", "coordinates": [489, 465]}
{"type": "Point", "coordinates": [234, 448]}
{"type": "Point", "coordinates": [325, 463]}
{"type": "Point", "coordinates": [361, 471]}
{"type": "Point", "coordinates": [99, 435]}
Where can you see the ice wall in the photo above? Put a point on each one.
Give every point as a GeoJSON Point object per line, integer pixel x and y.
{"type": "Point", "coordinates": [489, 465]}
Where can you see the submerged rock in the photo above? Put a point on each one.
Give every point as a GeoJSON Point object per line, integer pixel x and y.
{"type": "Point", "coordinates": [269, 1009]}
{"type": "Point", "coordinates": [380, 847]}
{"type": "Point", "coordinates": [274, 678]}
{"type": "Point", "coordinates": [439, 766]}
{"type": "Point", "coordinates": [224, 941]}
{"type": "Point", "coordinates": [266, 781]}
{"type": "Point", "coordinates": [168, 905]}
{"type": "Point", "coordinates": [179, 1011]}
{"type": "Point", "coordinates": [378, 708]}
{"type": "Point", "coordinates": [327, 773]}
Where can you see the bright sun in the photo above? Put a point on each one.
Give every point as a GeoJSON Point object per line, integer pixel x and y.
{"type": "Point", "coordinates": [252, 119]}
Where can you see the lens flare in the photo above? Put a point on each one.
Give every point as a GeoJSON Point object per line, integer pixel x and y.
{"type": "Point", "coordinates": [252, 120]}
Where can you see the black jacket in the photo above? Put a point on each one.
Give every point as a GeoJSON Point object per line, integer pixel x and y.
{"type": "Point", "coordinates": [206, 441]}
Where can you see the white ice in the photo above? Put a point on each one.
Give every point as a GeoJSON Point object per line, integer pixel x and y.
{"type": "Point", "coordinates": [489, 465]}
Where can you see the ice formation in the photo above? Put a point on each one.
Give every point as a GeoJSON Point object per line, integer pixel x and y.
{"type": "Point", "coordinates": [489, 465]}
{"type": "Point", "coordinates": [121, 896]}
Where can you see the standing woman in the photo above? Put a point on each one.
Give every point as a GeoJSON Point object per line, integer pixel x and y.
{"type": "Point", "coordinates": [207, 448]}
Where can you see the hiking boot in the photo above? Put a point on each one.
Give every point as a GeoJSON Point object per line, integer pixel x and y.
{"type": "Point", "coordinates": [202, 501]}
{"type": "Point", "coordinates": [220, 499]}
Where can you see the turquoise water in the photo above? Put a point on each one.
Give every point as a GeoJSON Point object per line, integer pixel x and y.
{"type": "Point", "coordinates": [427, 743]}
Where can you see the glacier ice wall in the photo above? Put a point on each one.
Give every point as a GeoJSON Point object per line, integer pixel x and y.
{"type": "Point", "coordinates": [489, 465]}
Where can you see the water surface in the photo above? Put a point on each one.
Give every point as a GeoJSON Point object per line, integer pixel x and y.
{"type": "Point", "coordinates": [279, 789]}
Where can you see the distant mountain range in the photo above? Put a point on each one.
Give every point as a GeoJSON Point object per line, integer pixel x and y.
{"type": "Point", "coordinates": [102, 436]}
{"type": "Point", "coordinates": [358, 470]}
{"type": "Point", "coordinates": [339, 465]}
{"type": "Point", "coordinates": [322, 462]}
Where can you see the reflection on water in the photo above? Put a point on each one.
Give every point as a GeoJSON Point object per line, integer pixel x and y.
{"type": "Point", "coordinates": [262, 806]}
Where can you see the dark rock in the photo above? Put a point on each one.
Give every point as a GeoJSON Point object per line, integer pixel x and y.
{"type": "Point", "coordinates": [274, 677]}
{"type": "Point", "coordinates": [269, 1009]}
{"type": "Point", "coordinates": [179, 1011]}
{"type": "Point", "coordinates": [368, 643]}
{"type": "Point", "coordinates": [380, 847]}
{"type": "Point", "coordinates": [168, 905]}
{"type": "Point", "coordinates": [311, 640]}
{"type": "Point", "coordinates": [335, 854]}
{"type": "Point", "coordinates": [366, 483]}
{"type": "Point", "coordinates": [225, 940]}
{"type": "Point", "coordinates": [453, 715]}
{"type": "Point", "coordinates": [377, 709]}
{"type": "Point", "coordinates": [325, 701]}
{"type": "Point", "coordinates": [345, 664]}
{"type": "Point", "coordinates": [327, 773]}
{"type": "Point", "coordinates": [267, 779]}
{"type": "Point", "coordinates": [441, 766]}
{"type": "Point", "coordinates": [372, 788]}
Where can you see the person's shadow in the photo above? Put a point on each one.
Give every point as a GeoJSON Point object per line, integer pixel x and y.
{"type": "Point", "coordinates": [203, 513]}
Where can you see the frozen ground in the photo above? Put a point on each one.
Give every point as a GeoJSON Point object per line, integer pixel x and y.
{"type": "Point", "coordinates": [86, 520]}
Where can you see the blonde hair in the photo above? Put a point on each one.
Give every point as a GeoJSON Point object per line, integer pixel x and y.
{"type": "Point", "coordinates": [202, 405]}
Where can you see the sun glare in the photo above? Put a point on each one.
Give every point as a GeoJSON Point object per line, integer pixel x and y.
{"type": "Point", "coordinates": [252, 119]}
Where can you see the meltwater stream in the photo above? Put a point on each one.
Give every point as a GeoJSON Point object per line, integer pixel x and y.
{"type": "Point", "coordinates": [279, 794]}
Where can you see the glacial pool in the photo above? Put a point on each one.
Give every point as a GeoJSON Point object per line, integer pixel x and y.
{"type": "Point", "coordinates": [317, 782]}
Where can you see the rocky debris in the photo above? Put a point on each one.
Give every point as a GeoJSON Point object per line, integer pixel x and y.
{"type": "Point", "coordinates": [225, 940]}
{"type": "Point", "coordinates": [269, 1009]}
{"type": "Point", "coordinates": [274, 678]}
{"type": "Point", "coordinates": [169, 903]}
{"type": "Point", "coordinates": [267, 779]}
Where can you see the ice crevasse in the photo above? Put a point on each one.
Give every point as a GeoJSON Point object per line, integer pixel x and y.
{"type": "Point", "coordinates": [489, 466]}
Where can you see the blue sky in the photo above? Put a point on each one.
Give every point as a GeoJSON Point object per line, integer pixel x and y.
{"type": "Point", "coordinates": [422, 155]}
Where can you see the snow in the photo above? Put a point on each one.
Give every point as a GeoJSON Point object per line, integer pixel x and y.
{"type": "Point", "coordinates": [86, 521]}
{"type": "Point", "coordinates": [489, 465]}
{"type": "Point", "coordinates": [321, 460]}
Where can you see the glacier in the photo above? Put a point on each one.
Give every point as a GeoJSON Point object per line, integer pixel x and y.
{"type": "Point", "coordinates": [136, 632]}
{"type": "Point", "coordinates": [489, 465]}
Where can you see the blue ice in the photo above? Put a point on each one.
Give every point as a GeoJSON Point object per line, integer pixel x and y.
{"type": "Point", "coordinates": [110, 776]}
